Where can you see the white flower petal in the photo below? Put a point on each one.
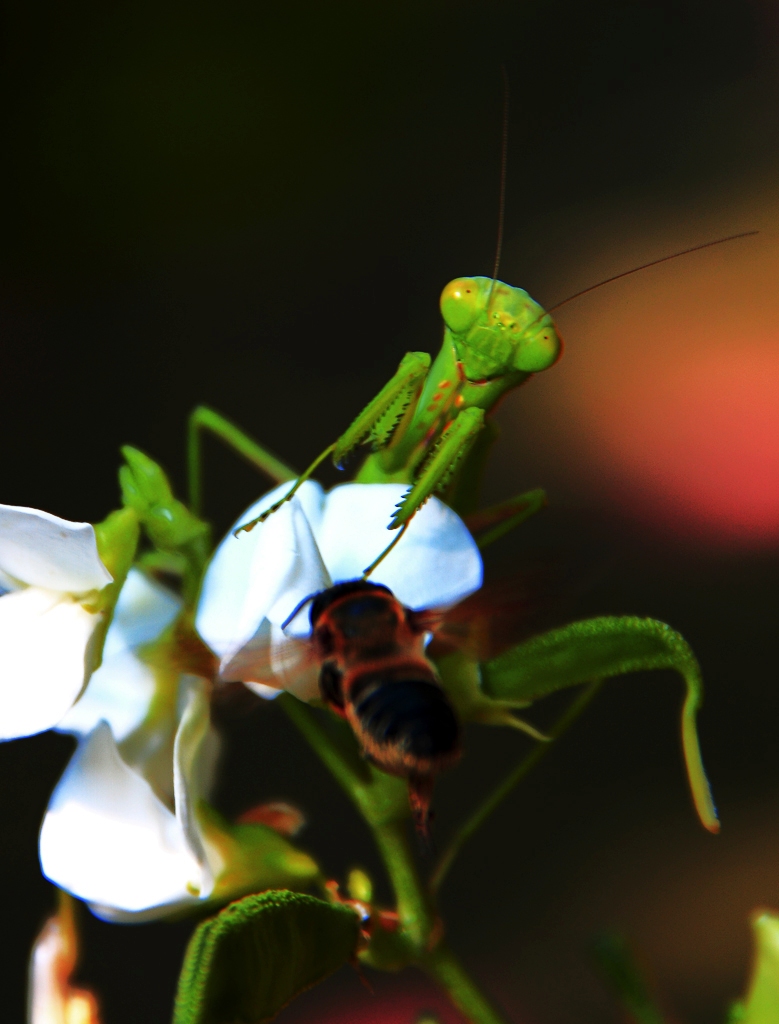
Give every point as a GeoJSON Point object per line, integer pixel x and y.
{"type": "Point", "coordinates": [263, 690]}
{"type": "Point", "coordinates": [43, 550]}
{"type": "Point", "coordinates": [119, 692]}
{"type": "Point", "coordinates": [434, 565]}
{"type": "Point", "coordinates": [249, 573]}
{"type": "Point", "coordinates": [192, 771]}
{"type": "Point", "coordinates": [143, 611]}
{"type": "Point", "coordinates": [109, 840]}
{"type": "Point", "coordinates": [43, 643]}
{"type": "Point", "coordinates": [294, 561]}
{"type": "Point", "coordinates": [297, 672]}
{"type": "Point", "coordinates": [8, 584]}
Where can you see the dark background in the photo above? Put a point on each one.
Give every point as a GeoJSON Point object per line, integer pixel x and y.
{"type": "Point", "coordinates": [256, 206]}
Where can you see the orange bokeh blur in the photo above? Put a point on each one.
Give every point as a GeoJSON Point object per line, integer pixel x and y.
{"type": "Point", "coordinates": [667, 400]}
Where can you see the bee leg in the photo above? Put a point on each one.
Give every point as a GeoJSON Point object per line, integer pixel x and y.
{"type": "Point", "coordinates": [330, 680]}
{"type": "Point", "coordinates": [420, 794]}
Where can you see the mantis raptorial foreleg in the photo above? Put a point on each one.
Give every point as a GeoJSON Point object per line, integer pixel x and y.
{"type": "Point", "coordinates": [425, 421]}
{"type": "Point", "coordinates": [441, 463]}
{"type": "Point", "coordinates": [376, 425]}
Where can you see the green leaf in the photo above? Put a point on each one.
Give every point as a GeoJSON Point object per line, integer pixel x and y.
{"type": "Point", "coordinates": [461, 679]}
{"type": "Point", "coordinates": [761, 1004]}
{"type": "Point", "coordinates": [248, 962]}
{"type": "Point", "coordinates": [598, 649]}
{"type": "Point", "coordinates": [117, 540]}
{"type": "Point", "coordinates": [623, 976]}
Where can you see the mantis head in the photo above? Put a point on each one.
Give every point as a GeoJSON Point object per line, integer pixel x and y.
{"type": "Point", "coordinates": [497, 329]}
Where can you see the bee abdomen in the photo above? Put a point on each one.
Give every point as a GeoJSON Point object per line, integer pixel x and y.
{"type": "Point", "coordinates": [407, 725]}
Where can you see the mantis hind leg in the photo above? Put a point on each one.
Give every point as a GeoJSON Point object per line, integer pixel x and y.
{"type": "Point", "coordinates": [492, 523]}
{"type": "Point", "coordinates": [203, 418]}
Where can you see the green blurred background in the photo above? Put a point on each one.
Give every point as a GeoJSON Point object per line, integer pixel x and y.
{"type": "Point", "coordinates": [256, 206]}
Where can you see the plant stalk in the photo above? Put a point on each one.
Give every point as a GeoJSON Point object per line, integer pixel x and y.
{"type": "Point", "coordinates": [414, 909]}
{"type": "Point", "coordinates": [417, 916]}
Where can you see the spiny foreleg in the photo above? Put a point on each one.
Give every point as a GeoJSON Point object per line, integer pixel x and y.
{"type": "Point", "coordinates": [376, 425]}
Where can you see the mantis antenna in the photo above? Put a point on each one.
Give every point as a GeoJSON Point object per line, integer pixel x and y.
{"type": "Point", "coordinates": [654, 263]}
{"type": "Point", "coordinates": [504, 149]}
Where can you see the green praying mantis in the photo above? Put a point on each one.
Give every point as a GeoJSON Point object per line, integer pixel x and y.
{"type": "Point", "coordinates": [429, 427]}
{"type": "Point", "coordinates": [428, 419]}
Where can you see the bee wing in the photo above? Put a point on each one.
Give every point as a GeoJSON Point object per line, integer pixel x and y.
{"type": "Point", "coordinates": [502, 613]}
{"type": "Point", "coordinates": [273, 661]}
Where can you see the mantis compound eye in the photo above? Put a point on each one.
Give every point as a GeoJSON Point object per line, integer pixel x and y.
{"type": "Point", "coordinates": [540, 346]}
{"type": "Point", "coordinates": [461, 304]}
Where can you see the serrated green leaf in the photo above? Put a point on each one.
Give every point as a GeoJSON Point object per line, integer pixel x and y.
{"type": "Point", "coordinates": [598, 649]}
{"type": "Point", "coordinates": [761, 1004]}
{"type": "Point", "coordinates": [248, 962]}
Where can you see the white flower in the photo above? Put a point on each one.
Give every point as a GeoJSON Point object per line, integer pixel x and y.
{"type": "Point", "coordinates": [110, 835]}
{"type": "Point", "coordinates": [50, 574]}
{"type": "Point", "coordinates": [113, 841]}
{"type": "Point", "coordinates": [121, 690]}
{"type": "Point", "coordinates": [126, 828]}
{"type": "Point", "coordinates": [257, 579]}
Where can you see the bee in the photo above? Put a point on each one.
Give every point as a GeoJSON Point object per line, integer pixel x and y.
{"type": "Point", "coordinates": [365, 658]}
{"type": "Point", "coordinates": [374, 673]}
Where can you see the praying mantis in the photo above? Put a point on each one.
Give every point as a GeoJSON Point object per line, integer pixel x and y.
{"type": "Point", "coordinates": [428, 427]}
{"type": "Point", "coordinates": [428, 419]}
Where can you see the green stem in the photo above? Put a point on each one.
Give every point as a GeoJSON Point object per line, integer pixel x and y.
{"type": "Point", "coordinates": [444, 967]}
{"type": "Point", "coordinates": [383, 803]}
{"type": "Point", "coordinates": [500, 793]}
{"type": "Point", "coordinates": [203, 418]}
{"type": "Point", "coordinates": [414, 909]}
{"type": "Point", "coordinates": [384, 813]}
